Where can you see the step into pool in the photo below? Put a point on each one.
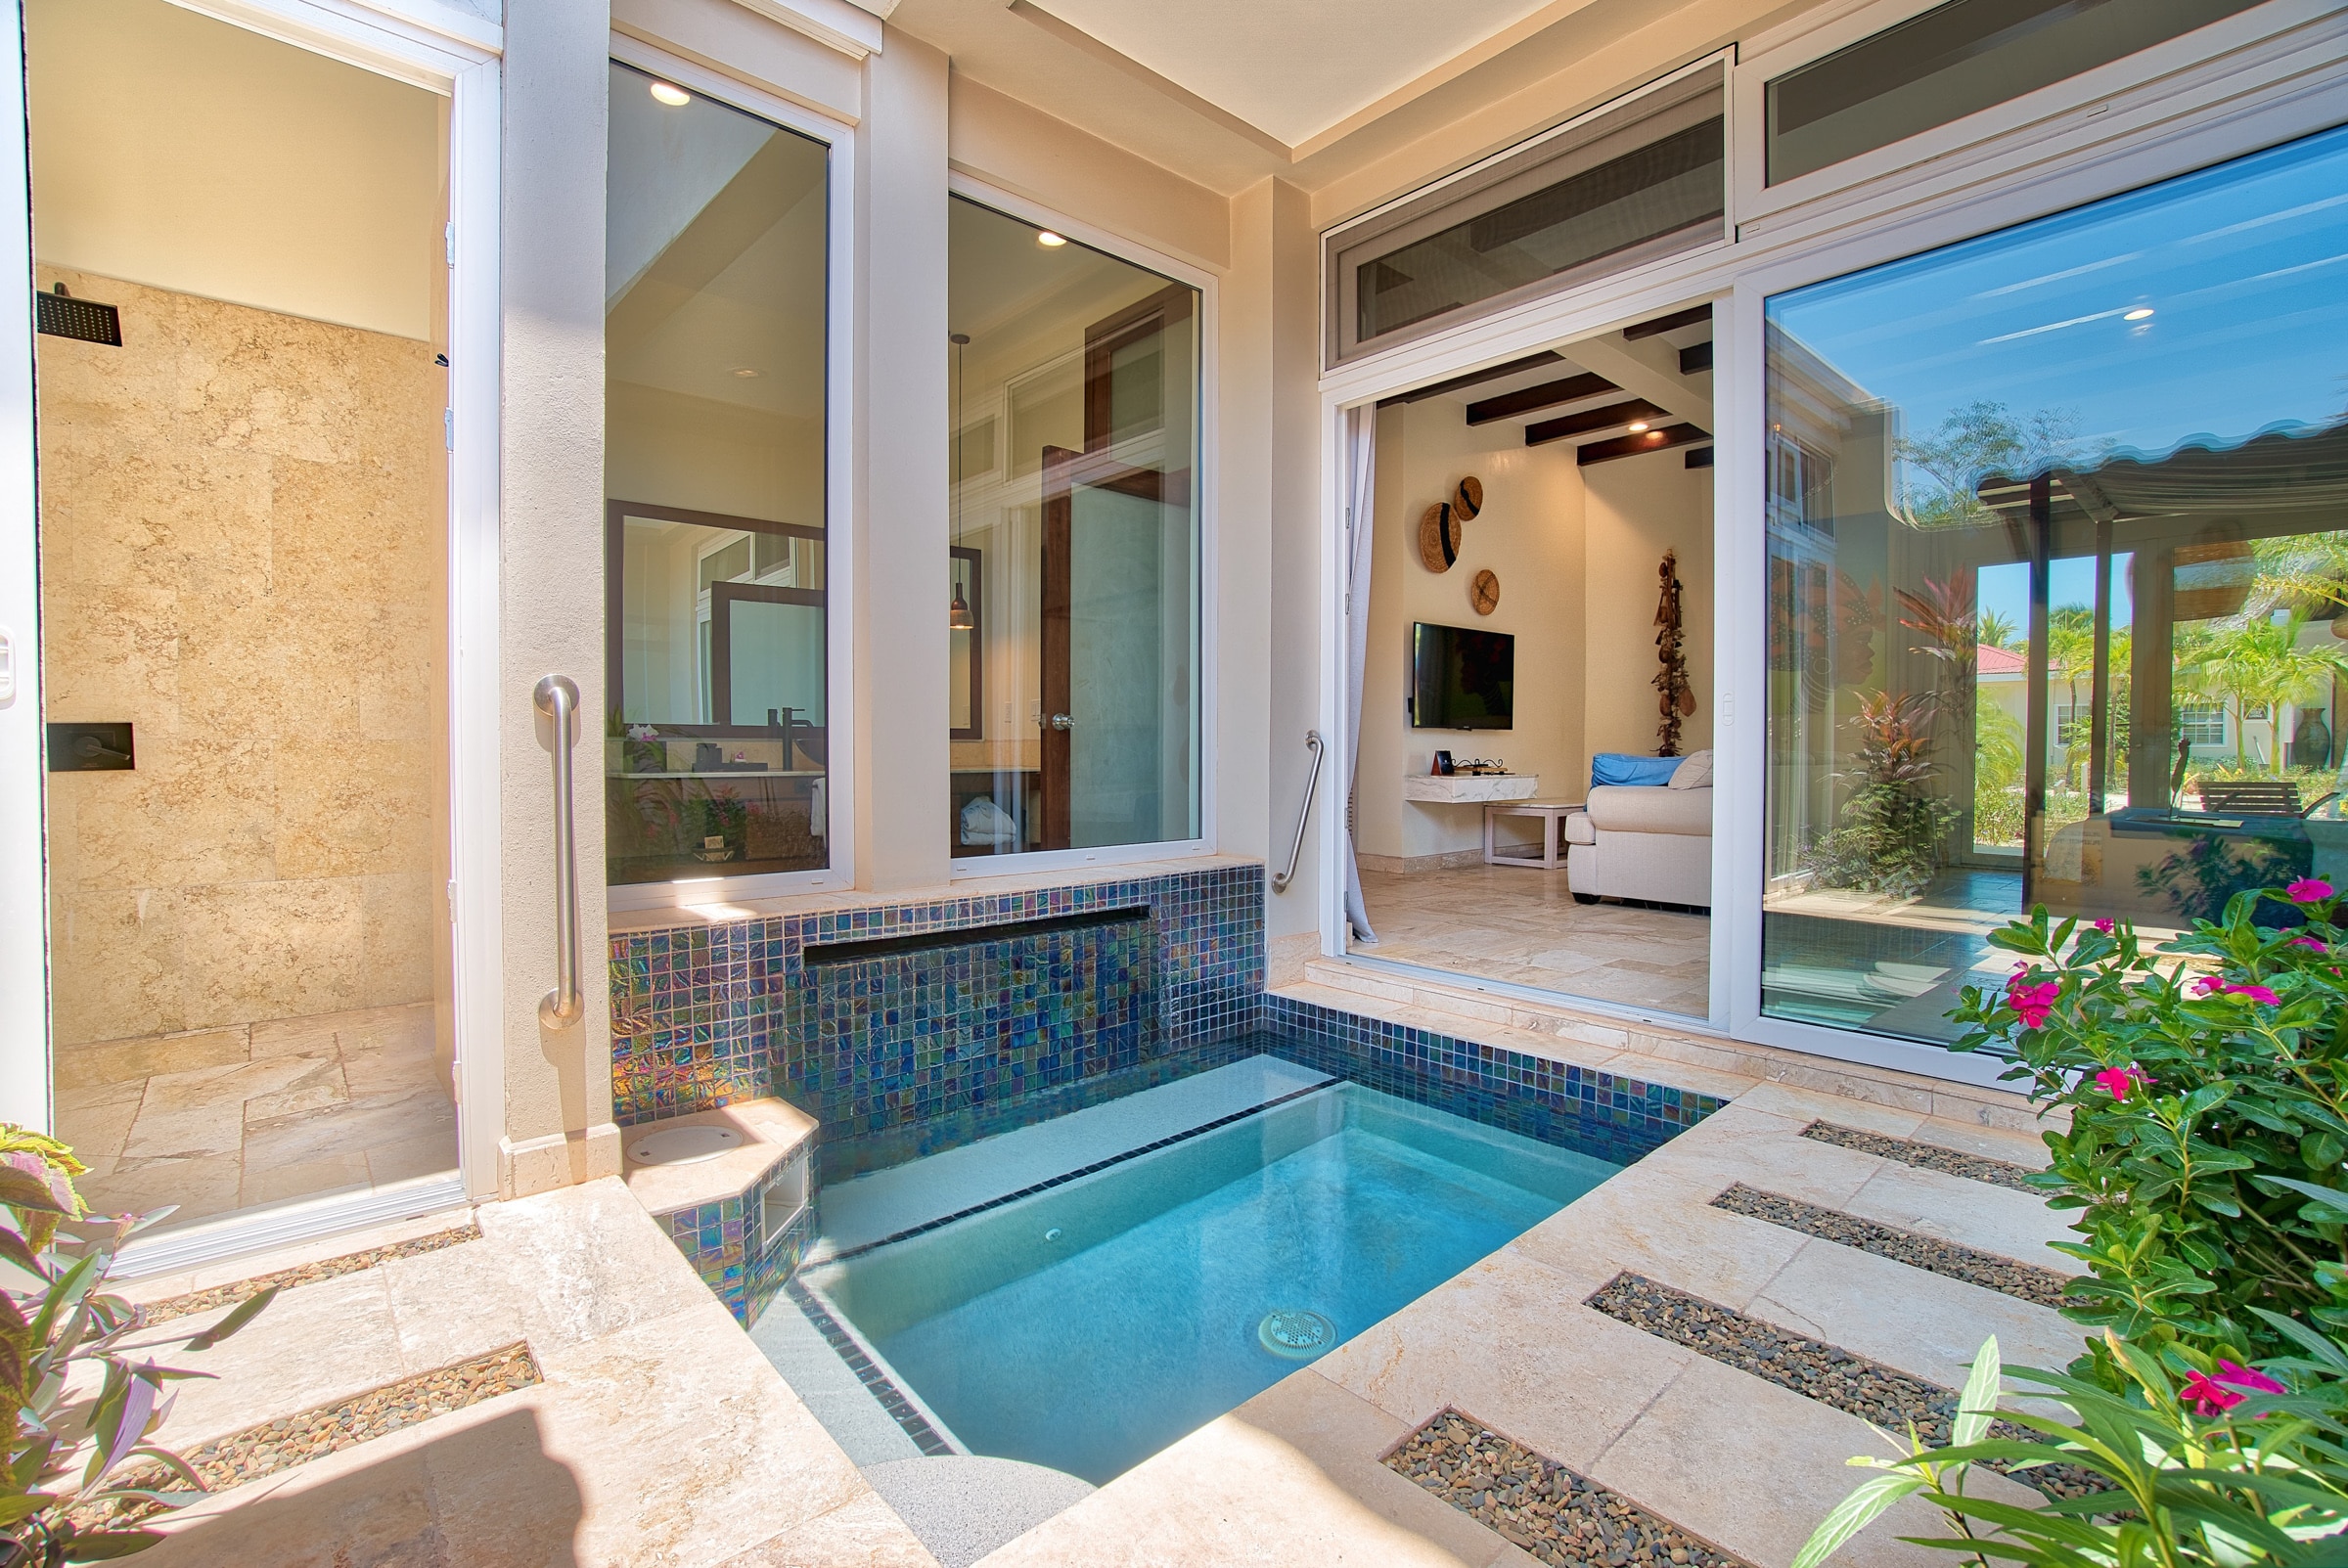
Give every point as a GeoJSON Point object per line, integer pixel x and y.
{"type": "Point", "coordinates": [1091, 1325]}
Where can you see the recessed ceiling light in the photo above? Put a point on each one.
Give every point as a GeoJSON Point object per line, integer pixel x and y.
{"type": "Point", "coordinates": [2140, 313]}
{"type": "Point", "coordinates": [673, 96]}
{"type": "Point", "coordinates": [745, 373]}
{"type": "Point", "coordinates": [1046, 238]}
{"type": "Point", "coordinates": [1637, 426]}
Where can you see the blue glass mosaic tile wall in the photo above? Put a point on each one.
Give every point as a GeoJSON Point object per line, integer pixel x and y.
{"type": "Point", "coordinates": [906, 1037]}
{"type": "Point", "coordinates": [722, 1242]}
{"type": "Point", "coordinates": [1605, 1114]}
{"type": "Point", "coordinates": [730, 1011]}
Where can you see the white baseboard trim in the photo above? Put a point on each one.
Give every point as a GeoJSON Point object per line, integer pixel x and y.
{"type": "Point", "coordinates": [281, 1224]}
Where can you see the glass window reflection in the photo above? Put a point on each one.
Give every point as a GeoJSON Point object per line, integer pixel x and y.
{"type": "Point", "coordinates": [2057, 583]}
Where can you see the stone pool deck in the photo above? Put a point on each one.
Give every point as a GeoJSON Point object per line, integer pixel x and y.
{"type": "Point", "coordinates": [659, 1434]}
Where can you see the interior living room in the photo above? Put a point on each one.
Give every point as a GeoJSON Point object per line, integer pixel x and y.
{"type": "Point", "coordinates": [1533, 803]}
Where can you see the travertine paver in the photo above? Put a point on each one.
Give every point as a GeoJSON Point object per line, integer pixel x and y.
{"type": "Point", "coordinates": [657, 1434]}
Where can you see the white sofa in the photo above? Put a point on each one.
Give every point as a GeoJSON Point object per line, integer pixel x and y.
{"type": "Point", "coordinates": [1645, 842]}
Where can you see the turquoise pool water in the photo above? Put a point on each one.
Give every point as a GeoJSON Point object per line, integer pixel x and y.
{"type": "Point", "coordinates": [1088, 1326]}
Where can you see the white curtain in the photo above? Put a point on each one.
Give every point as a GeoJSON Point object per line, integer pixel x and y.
{"type": "Point", "coordinates": [1359, 498]}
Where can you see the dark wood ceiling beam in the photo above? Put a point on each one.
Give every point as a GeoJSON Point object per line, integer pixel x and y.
{"type": "Point", "coordinates": [1696, 357]}
{"type": "Point", "coordinates": [1548, 395]}
{"type": "Point", "coordinates": [1671, 323]}
{"type": "Point", "coordinates": [1630, 446]}
{"type": "Point", "coordinates": [1477, 378]}
{"type": "Point", "coordinates": [1612, 417]}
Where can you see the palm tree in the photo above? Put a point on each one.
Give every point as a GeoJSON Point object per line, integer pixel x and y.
{"type": "Point", "coordinates": [1993, 630]}
{"type": "Point", "coordinates": [2070, 655]}
{"type": "Point", "coordinates": [2261, 661]}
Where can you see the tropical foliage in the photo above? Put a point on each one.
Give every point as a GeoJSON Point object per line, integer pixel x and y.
{"type": "Point", "coordinates": [2206, 1083]}
{"type": "Point", "coordinates": [85, 1401]}
{"type": "Point", "coordinates": [1888, 837]}
{"type": "Point", "coordinates": [2205, 1462]}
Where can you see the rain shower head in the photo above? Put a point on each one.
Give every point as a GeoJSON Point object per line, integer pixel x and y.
{"type": "Point", "coordinates": [60, 315]}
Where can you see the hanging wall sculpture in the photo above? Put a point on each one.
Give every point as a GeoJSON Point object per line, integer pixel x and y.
{"type": "Point", "coordinates": [1439, 531]}
{"type": "Point", "coordinates": [1674, 698]}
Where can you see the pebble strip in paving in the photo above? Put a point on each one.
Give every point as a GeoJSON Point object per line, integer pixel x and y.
{"type": "Point", "coordinates": [1974, 1266]}
{"type": "Point", "coordinates": [308, 1274]}
{"type": "Point", "coordinates": [282, 1444]}
{"type": "Point", "coordinates": [1828, 1373]}
{"type": "Point", "coordinates": [1924, 1156]}
{"type": "Point", "coordinates": [1540, 1506]}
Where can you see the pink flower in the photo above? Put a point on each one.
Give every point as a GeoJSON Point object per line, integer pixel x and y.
{"type": "Point", "coordinates": [2117, 1081]}
{"type": "Point", "coordinates": [2308, 891]}
{"type": "Point", "coordinates": [2104, 925]}
{"type": "Point", "coordinates": [2206, 1395]}
{"type": "Point", "coordinates": [2315, 942]}
{"type": "Point", "coordinates": [2208, 985]}
{"type": "Point", "coordinates": [2032, 1002]}
{"type": "Point", "coordinates": [2245, 1377]}
{"type": "Point", "coordinates": [2256, 993]}
{"type": "Point", "coordinates": [2210, 1396]}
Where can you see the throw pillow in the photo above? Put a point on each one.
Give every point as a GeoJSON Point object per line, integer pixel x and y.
{"type": "Point", "coordinates": [1695, 772]}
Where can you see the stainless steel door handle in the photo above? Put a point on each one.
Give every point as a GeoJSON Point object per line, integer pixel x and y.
{"type": "Point", "coordinates": [558, 698]}
{"type": "Point", "coordinates": [1060, 721]}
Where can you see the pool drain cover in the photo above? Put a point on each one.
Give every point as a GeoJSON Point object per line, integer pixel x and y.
{"type": "Point", "coordinates": [1297, 1334]}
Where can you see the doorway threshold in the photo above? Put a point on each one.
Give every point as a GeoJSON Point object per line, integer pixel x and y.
{"type": "Point", "coordinates": [233, 1236]}
{"type": "Point", "coordinates": [1327, 970]}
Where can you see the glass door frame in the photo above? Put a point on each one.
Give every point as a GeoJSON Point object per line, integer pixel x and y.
{"type": "Point", "coordinates": [1203, 482]}
{"type": "Point", "coordinates": [840, 494]}
{"type": "Point", "coordinates": [2217, 108]}
{"type": "Point", "coordinates": [458, 58]}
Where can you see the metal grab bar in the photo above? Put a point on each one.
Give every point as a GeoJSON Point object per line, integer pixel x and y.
{"type": "Point", "coordinates": [1280, 883]}
{"type": "Point", "coordinates": [558, 698]}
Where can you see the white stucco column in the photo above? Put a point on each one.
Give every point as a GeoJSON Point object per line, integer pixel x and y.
{"type": "Point", "coordinates": [558, 1081]}
{"type": "Point", "coordinates": [900, 583]}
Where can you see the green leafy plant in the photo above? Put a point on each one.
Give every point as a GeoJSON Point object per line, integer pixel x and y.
{"type": "Point", "coordinates": [1888, 835]}
{"type": "Point", "coordinates": [2205, 1463]}
{"type": "Point", "coordinates": [2208, 1091]}
{"type": "Point", "coordinates": [84, 1401]}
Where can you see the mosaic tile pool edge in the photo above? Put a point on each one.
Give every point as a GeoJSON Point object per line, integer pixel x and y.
{"type": "Point", "coordinates": [1606, 1114]}
{"type": "Point", "coordinates": [721, 1241]}
{"type": "Point", "coordinates": [726, 1013]}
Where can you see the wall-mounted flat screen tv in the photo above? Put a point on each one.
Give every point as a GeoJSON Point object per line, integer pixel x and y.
{"type": "Point", "coordinates": [1462, 679]}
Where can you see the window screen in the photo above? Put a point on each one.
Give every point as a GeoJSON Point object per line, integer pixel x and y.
{"type": "Point", "coordinates": [1954, 61]}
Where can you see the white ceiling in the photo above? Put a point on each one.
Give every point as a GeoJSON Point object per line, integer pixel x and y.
{"type": "Point", "coordinates": [1292, 69]}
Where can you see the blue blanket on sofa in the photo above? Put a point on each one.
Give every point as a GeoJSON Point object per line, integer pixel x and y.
{"type": "Point", "coordinates": [1626, 768]}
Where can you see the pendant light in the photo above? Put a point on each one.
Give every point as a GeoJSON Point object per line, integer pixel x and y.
{"type": "Point", "coordinates": [958, 614]}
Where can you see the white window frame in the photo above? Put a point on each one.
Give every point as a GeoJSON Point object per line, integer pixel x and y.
{"type": "Point", "coordinates": [456, 56]}
{"type": "Point", "coordinates": [1333, 238]}
{"type": "Point", "coordinates": [2200, 115]}
{"type": "Point", "coordinates": [2046, 123]}
{"type": "Point", "coordinates": [971, 868]}
{"type": "Point", "coordinates": [839, 434]}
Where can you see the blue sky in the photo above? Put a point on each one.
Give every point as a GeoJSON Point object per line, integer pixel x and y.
{"type": "Point", "coordinates": [2245, 268]}
{"type": "Point", "coordinates": [2005, 589]}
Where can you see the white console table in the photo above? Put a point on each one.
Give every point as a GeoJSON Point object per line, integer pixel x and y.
{"type": "Point", "coordinates": [1469, 788]}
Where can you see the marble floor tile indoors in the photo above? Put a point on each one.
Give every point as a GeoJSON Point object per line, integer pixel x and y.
{"type": "Point", "coordinates": [232, 1118]}
{"type": "Point", "coordinates": [1520, 924]}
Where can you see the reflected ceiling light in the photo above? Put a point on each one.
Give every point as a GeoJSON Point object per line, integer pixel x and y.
{"type": "Point", "coordinates": [2140, 313]}
{"type": "Point", "coordinates": [673, 96]}
{"type": "Point", "coordinates": [745, 373]}
{"type": "Point", "coordinates": [1637, 426]}
{"type": "Point", "coordinates": [1049, 240]}
{"type": "Point", "coordinates": [958, 614]}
